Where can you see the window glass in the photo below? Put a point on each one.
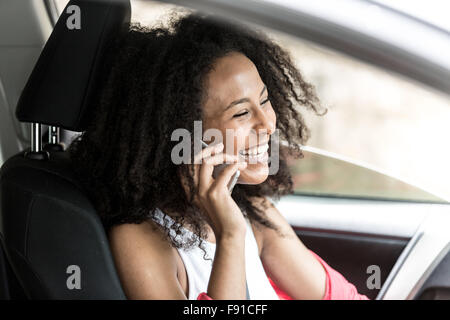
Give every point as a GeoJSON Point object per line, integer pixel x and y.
{"type": "Point", "coordinates": [377, 119]}
{"type": "Point", "coordinates": [324, 175]}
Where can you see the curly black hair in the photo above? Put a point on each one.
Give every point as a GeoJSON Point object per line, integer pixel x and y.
{"type": "Point", "coordinates": [153, 83]}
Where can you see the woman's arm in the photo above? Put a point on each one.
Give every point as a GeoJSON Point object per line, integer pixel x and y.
{"type": "Point", "coordinates": [296, 270]}
{"type": "Point", "coordinates": [287, 261]}
{"type": "Point", "coordinates": [227, 280]}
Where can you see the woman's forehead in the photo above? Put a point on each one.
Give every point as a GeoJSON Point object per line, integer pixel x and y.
{"type": "Point", "coordinates": [233, 77]}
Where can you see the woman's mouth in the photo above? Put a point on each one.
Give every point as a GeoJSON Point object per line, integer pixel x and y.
{"type": "Point", "coordinates": [255, 154]}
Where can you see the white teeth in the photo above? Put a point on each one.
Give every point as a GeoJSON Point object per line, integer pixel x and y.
{"type": "Point", "coordinates": [263, 148]}
{"type": "Point", "coordinates": [256, 150]}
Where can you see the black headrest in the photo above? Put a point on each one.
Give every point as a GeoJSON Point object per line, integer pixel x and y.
{"type": "Point", "coordinates": [62, 83]}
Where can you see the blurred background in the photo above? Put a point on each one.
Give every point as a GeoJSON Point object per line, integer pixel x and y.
{"type": "Point", "coordinates": [384, 136]}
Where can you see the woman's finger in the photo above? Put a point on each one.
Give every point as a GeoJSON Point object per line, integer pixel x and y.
{"type": "Point", "coordinates": [207, 168]}
{"type": "Point", "coordinates": [225, 176]}
{"type": "Point", "coordinates": [207, 152]}
{"type": "Point", "coordinates": [198, 159]}
{"type": "Point", "coordinates": [220, 158]}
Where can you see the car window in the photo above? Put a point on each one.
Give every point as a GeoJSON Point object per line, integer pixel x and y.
{"type": "Point", "coordinates": [320, 174]}
{"type": "Point", "coordinates": [384, 136]}
{"type": "Point", "coordinates": [376, 119]}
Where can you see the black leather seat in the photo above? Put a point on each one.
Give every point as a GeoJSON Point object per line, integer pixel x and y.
{"type": "Point", "coordinates": [47, 221]}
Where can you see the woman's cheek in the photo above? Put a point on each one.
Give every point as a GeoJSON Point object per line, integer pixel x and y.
{"type": "Point", "coordinates": [273, 116]}
{"type": "Point", "coordinates": [239, 139]}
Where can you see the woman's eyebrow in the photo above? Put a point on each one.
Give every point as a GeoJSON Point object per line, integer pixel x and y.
{"type": "Point", "coordinates": [243, 100]}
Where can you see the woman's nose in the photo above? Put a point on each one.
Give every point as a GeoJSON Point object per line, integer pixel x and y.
{"type": "Point", "coordinates": [265, 122]}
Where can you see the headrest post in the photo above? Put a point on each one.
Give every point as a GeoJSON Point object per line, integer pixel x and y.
{"type": "Point", "coordinates": [36, 151]}
{"type": "Point", "coordinates": [36, 143]}
{"type": "Point", "coordinates": [53, 135]}
{"type": "Point", "coordinates": [53, 144]}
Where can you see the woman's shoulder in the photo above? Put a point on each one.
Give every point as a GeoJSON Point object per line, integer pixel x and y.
{"type": "Point", "coordinates": [145, 260]}
{"type": "Point", "coordinates": [144, 240]}
{"type": "Point", "coordinates": [139, 232]}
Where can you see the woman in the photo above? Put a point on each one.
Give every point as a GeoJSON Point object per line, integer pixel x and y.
{"type": "Point", "coordinates": [175, 231]}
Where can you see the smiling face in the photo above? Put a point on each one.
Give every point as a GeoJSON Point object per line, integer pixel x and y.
{"type": "Point", "coordinates": [237, 104]}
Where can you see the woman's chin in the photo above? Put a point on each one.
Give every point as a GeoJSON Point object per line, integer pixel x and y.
{"type": "Point", "coordinates": [254, 173]}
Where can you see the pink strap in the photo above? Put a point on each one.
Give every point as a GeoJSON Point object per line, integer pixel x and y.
{"type": "Point", "coordinates": [281, 294]}
{"type": "Point", "coordinates": [204, 296]}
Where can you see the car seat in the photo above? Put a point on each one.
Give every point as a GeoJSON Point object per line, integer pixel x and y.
{"type": "Point", "coordinates": [53, 242]}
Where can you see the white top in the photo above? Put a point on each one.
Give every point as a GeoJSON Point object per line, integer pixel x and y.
{"type": "Point", "coordinates": [199, 270]}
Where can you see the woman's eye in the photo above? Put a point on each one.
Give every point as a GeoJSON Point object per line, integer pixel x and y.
{"type": "Point", "coordinates": [245, 112]}
{"type": "Point", "coordinates": [240, 114]}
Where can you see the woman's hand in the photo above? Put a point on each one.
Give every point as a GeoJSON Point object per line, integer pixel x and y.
{"type": "Point", "coordinates": [213, 197]}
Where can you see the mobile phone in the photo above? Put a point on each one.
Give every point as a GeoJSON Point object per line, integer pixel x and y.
{"type": "Point", "coordinates": [218, 169]}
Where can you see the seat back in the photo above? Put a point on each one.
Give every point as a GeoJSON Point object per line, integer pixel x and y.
{"type": "Point", "coordinates": [52, 236]}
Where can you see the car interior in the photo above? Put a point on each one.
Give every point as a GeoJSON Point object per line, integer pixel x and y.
{"type": "Point", "coordinates": [47, 221]}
